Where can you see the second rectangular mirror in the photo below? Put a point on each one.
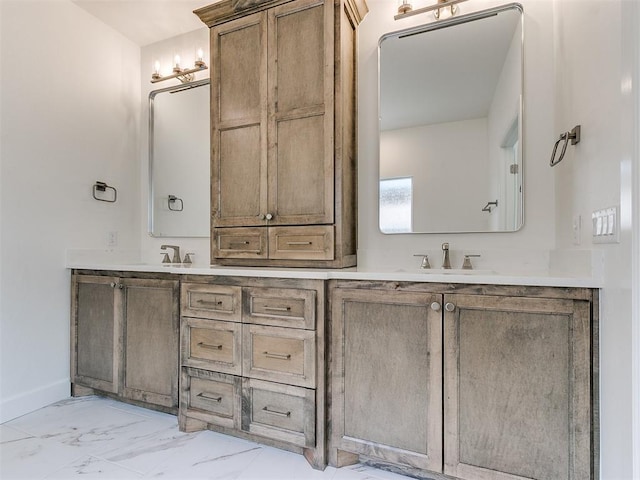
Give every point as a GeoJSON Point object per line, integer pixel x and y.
{"type": "Point", "coordinates": [451, 125]}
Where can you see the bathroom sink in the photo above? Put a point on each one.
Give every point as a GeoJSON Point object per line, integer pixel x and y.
{"type": "Point", "coordinates": [455, 271]}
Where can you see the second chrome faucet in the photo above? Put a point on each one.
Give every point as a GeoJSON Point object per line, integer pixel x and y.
{"type": "Point", "coordinates": [176, 255]}
{"type": "Point", "coordinates": [446, 263]}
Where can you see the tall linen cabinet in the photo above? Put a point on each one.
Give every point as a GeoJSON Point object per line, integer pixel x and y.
{"type": "Point", "coordinates": [283, 132]}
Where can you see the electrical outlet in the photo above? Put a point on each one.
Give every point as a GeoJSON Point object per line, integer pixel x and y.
{"type": "Point", "coordinates": [577, 229]}
{"type": "Point", "coordinates": [112, 239]}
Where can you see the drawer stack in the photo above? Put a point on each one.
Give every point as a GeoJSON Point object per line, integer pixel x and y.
{"type": "Point", "coordinates": [249, 362]}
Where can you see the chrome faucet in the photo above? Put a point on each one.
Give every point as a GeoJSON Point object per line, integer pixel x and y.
{"type": "Point", "coordinates": [176, 252]}
{"type": "Point", "coordinates": [446, 263]}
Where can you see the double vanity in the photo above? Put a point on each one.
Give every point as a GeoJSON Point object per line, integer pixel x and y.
{"type": "Point", "coordinates": [429, 373]}
{"type": "Point", "coordinates": [435, 376]}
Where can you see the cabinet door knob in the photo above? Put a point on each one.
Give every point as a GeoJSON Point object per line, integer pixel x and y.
{"type": "Point", "coordinates": [261, 216]}
{"type": "Point", "coordinates": [120, 286]}
{"type": "Point", "coordinates": [113, 285]}
{"type": "Point", "coordinates": [449, 307]}
{"type": "Point", "coordinates": [435, 306]}
{"type": "Point", "coordinates": [269, 216]}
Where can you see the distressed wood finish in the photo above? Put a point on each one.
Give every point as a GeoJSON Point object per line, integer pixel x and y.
{"type": "Point", "coordinates": [211, 301]}
{"type": "Point", "coordinates": [281, 412]}
{"type": "Point", "coordinates": [300, 243]}
{"type": "Point", "coordinates": [280, 307]}
{"type": "Point", "coordinates": [124, 337]}
{"type": "Point", "coordinates": [284, 355]}
{"type": "Point", "coordinates": [284, 318]}
{"type": "Point", "coordinates": [520, 380]}
{"type": "Point", "coordinates": [249, 243]}
{"type": "Point", "coordinates": [209, 398]}
{"type": "Point", "coordinates": [386, 377]}
{"type": "Point", "coordinates": [517, 388]}
{"type": "Point", "coordinates": [283, 131]}
{"type": "Point", "coordinates": [151, 337]}
{"type": "Point", "coordinates": [96, 332]}
{"type": "Point", "coordinates": [300, 90]}
{"type": "Point", "coordinates": [239, 122]}
{"type": "Point", "coordinates": [221, 12]}
{"type": "Point", "coordinates": [211, 345]}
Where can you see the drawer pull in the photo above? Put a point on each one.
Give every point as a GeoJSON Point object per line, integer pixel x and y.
{"type": "Point", "coordinates": [275, 412]}
{"type": "Point", "coordinates": [208, 302]}
{"type": "Point", "coordinates": [236, 244]}
{"type": "Point", "coordinates": [299, 243]}
{"type": "Point", "coordinates": [279, 356]}
{"type": "Point", "coordinates": [210, 347]}
{"type": "Point", "coordinates": [277, 309]}
{"type": "Point", "coordinates": [209, 397]}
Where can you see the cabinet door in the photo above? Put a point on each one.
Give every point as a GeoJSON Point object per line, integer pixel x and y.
{"type": "Point", "coordinates": [96, 332]}
{"type": "Point", "coordinates": [151, 338]}
{"type": "Point", "coordinates": [300, 66]}
{"type": "Point", "coordinates": [387, 376]}
{"type": "Point", "coordinates": [239, 122]}
{"type": "Point", "coordinates": [517, 391]}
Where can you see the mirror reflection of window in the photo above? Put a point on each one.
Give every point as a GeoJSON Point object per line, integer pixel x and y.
{"type": "Point", "coordinates": [396, 205]}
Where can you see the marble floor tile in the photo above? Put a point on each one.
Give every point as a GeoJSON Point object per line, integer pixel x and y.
{"type": "Point", "coordinates": [221, 461]}
{"type": "Point", "coordinates": [91, 426]}
{"type": "Point", "coordinates": [33, 458]}
{"type": "Point", "coordinates": [9, 434]}
{"type": "Point", "coordinates": [92, 467]}
{"type": "Point", "coordinates": [93, 437]}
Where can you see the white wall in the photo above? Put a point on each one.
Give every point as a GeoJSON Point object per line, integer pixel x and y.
{"type": "Point", "coordinates": [525, 250]}
{"type": "Point", "coordinates": [69, 116]}
{"type": "Point", "coordinates": [594, 89]}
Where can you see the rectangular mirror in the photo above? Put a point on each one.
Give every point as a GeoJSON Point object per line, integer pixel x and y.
{"type": "Point", "coordinates": [179, 144]}
{"type": "Point", "coordinates": [451, 114]}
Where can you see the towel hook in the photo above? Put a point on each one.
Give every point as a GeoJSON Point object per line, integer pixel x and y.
{"type": "Point", "coordinates": [573, 135]}
{"type": "Point", "coordinates": [487, 207]}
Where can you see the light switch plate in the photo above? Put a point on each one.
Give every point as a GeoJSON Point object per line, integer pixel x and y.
{"type": "Point", "coordinates": [606, 225]}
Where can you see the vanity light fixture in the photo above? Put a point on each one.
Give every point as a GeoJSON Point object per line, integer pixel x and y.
{"type": "Point", "coordinates": [441, 9]}
{"type": "Point", "coordinates": [184, 75]}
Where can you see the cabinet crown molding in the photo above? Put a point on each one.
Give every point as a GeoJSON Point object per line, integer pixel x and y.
{"type": "Point", "coordinates": [226, 10]}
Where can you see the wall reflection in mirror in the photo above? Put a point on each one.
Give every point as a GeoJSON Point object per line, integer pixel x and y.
{"type": "Point", "coordinates": [179, 198]}
{"type": "Point", "coordinates": [451, 125]}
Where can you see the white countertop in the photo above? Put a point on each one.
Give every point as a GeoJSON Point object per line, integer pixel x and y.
{"type": "Point", "coordinates": [436, 276]}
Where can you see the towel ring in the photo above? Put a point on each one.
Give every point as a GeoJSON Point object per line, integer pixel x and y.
{"type": "Point", "coordinates": [573, 135]}
{"type": "Point", "coordinates": [172, 203]}
{"type": "Point", "coordinates": [103, 187]}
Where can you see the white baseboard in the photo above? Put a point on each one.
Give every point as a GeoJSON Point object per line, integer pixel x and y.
{"type": "Point", "coordinates": [27, 402]}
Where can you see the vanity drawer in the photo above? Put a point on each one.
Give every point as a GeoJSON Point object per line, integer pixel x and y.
{"type": "Point", "coordinates": [280, 307]}
{"type": "Point", "coordinates": [217, 302]}
{"type": "Point", "coordinates": [211, 397]}
{"type": "Point", "coordinates": [280, 412]}
{"type": "Point", "coordinates": [301, 243]}
{"type": "Point", "coordinates": [285, 355]}
{"type": "Point", "coordinates": [243, 242]}
{"type": "Point", "coordinates": [212, 345]}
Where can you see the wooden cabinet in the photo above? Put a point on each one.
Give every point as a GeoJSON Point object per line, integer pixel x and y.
{"type": "Point", "coordinates": [283, 132]}
{"type": "Point", "coordinates": [253, 361]}
{"type": "Point", "coordinates": [474, 382]}
{"type": "Point", "coordinates": [124, 337]}
{"type": "Point", "coordinates": [387, 376]}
